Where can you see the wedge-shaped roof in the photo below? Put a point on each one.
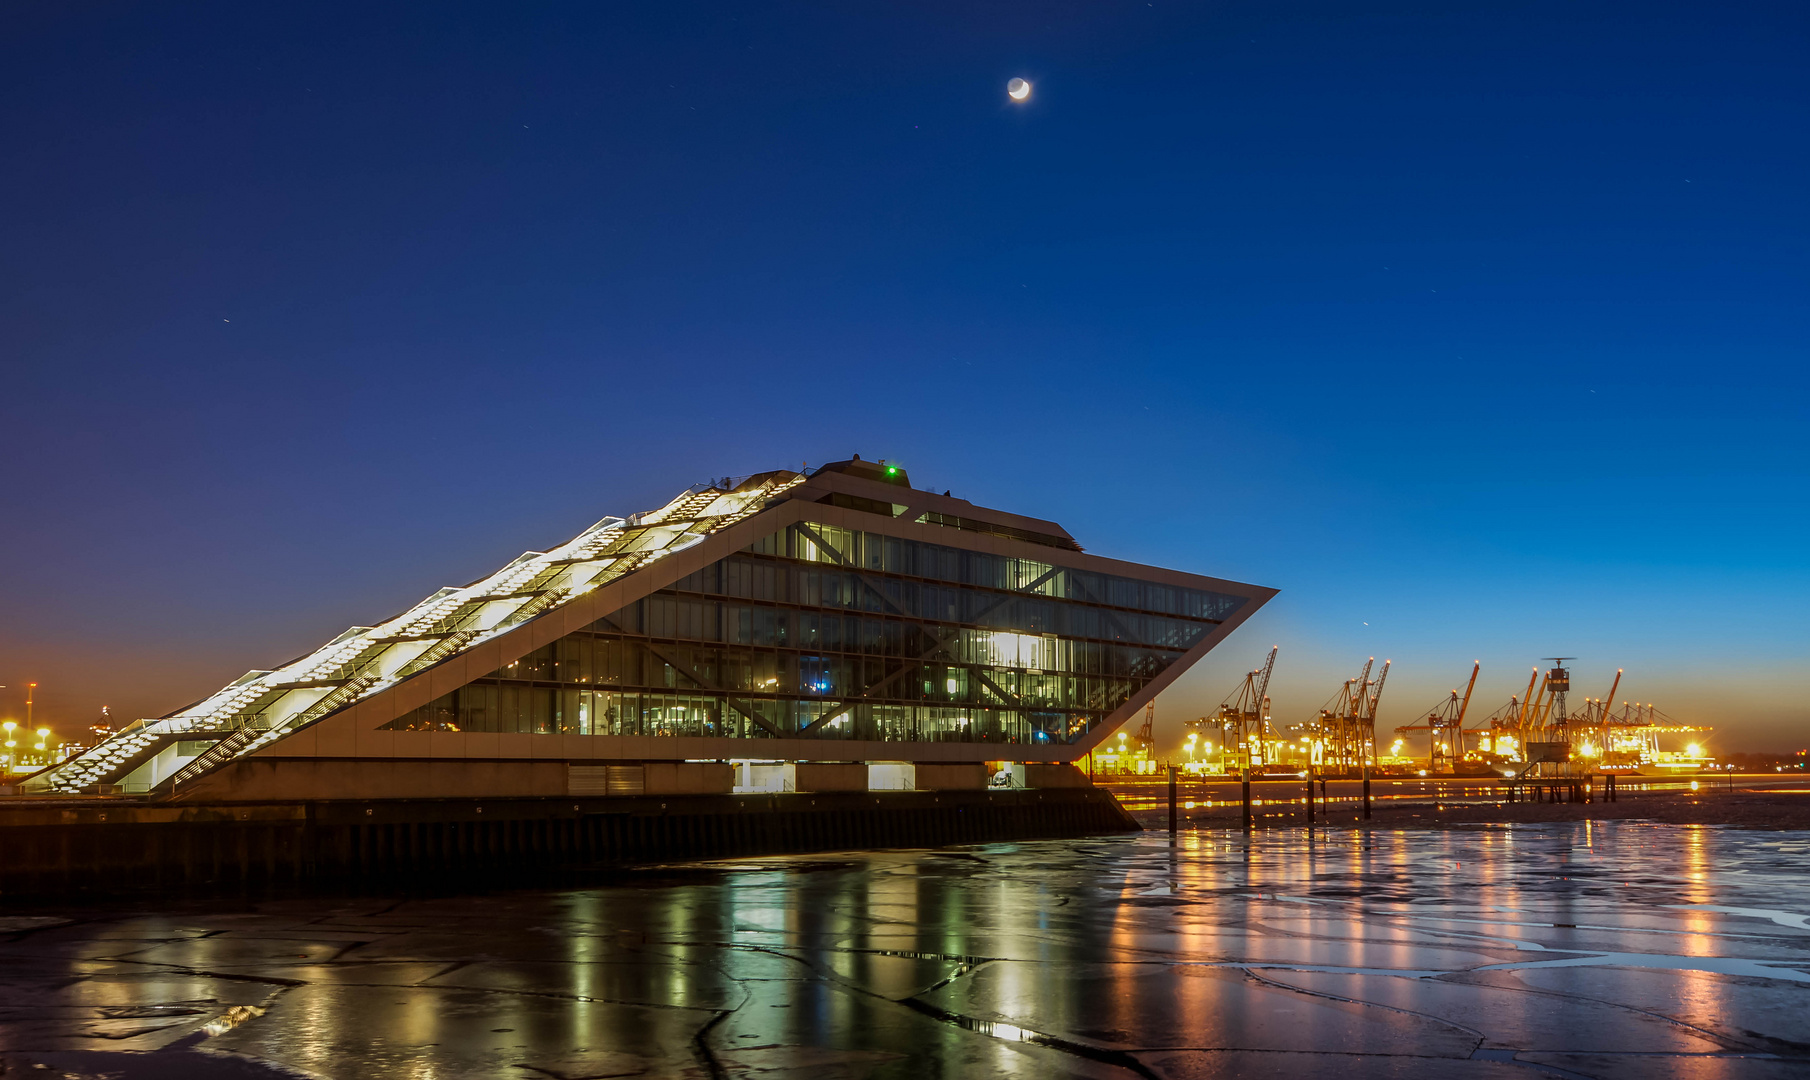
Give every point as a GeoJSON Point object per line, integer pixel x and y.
{"type": "Point", "coordinates": [1047, 648]}
{"type": "Point", "coordinates": [262, 706]}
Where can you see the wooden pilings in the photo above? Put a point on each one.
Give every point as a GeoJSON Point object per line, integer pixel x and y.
{"type": "Point", "coordinates": [1172, 798]}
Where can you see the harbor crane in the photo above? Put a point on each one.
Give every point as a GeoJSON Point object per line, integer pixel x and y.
{"type": "Point", "coordinates": [1444, 725]}
{"type": "Point", "coordinates": [1243, 719]}
{"type": "Point", "coordinates": [1146, 736]}
{"type": "Point", "coordinates": [1345, 728]}
{"type": "Point", "coordinates": [1595, 717]}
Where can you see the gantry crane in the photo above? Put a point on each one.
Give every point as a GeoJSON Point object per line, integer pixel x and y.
{"type": "Point", "coordinates": [1634, 734]}
{"type": "Point", "coordinates": [1369, 717]}
{"type": "Point", "coordinates": [1339, 717]}
{"type": "Point", "coordinates": [1345, 729]}
{"type": "Point", "coordinates": [1598, 717]}
{"type": "Point", "coordinates": [1146, 736]}
{"type": "Point", "coordinates": [1532, 724]}
{"type": "Point", "coordinates": [1444, 725]}
{"type": "Point", "coordinates": [1243, 719]}
{"type": "Point", "coordinates": [1508, 726]}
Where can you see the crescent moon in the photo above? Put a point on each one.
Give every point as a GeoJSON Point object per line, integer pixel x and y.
{"type": "Point", "coordinates": [1018, 89]}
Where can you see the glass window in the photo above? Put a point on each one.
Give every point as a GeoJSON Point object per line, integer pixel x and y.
{"type": "Point", "coordinates": [836, 633]}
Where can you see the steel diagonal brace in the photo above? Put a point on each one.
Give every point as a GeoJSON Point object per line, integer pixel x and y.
{"type": "Point", "coordinates": [844, 561]}
{"type": "Point", "coordinates": [696, 680]}
{"type": "Point", "coordinates": [942, 636]}
{"type": "Point", "coordinates": [942, 639]}
{"type": "Point", "coordinates": [1104, 610]}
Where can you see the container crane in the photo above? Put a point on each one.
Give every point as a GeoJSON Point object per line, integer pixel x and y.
{"type": "Point", "coordinates": [1548, 731]}
{"type": "Point", "coordinates": [1345, 727]}
{"type": "Point", "coordinates": [1243, 717]}
{"type": "Point", "coordinates": [1444, 726]}
{"type": "Point", "coordinates": [1539, 707]}
{"type": "Point", "coordinates": [1365, 737]}
{"type": "Point", "coordinates": [1146, 736]}
{"type": "Point", "coordinates": [1504, 732]}
{"type": "Point", "coordinates": [1603, 743]}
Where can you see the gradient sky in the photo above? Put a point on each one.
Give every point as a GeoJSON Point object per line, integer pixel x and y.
{"type": "Point", "coordinates": [1478, 329]}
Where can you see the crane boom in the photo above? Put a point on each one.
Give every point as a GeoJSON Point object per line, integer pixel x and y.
{"type": "Point", "coordinates": [1541, 703]}
{"type": "Point", "coordinates": [1376, 695]}
{"type": "Point", "coordinates": [1146, 736]}
{"type": "Point", "coordinates": [1263, 682]}
{"type": "Point", "coordinates": [1552, 700]}
{"type": "Point", "coordinates": [1609, 703]}
{"type": "Point", "coordinates": [1472, 685]}
{"type": "Point", "coordinates": [1527, 698]}
{"type": "Point", "coordinates": [1356, 704]}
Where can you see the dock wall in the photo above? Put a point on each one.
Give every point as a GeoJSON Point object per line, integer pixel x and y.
{"type": "Point", "coordinates": [76, 847]}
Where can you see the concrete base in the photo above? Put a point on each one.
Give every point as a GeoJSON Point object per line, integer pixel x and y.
{"type": "Point", "coordinates": [830, 776]}
{"type": "Point", "coordinates": [945, 776]}
{"type": "Point", "coordinates": [1054, 776]}
{"type": "Point", "coordinates": [688, 777]}
{"type": "Point", "coordinates": [264, 779]}
{"type": "Point", "coordinates": [74, 846]}
{"type": "Point", "coordinates": [258, 779]}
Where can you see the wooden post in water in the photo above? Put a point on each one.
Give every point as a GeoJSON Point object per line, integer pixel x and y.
{"type": "Point", "coordinates": [1310, 795]}
{"type": "Point", "coordinates": [1247, 800]}
{"type": "Point", "coordinates": [1172, 771]}
{"type": "Point", "coordinates": [1366, 792]}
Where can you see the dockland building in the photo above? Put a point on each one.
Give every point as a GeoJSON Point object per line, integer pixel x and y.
{"type": "Point", "coordinates": [832, 629]}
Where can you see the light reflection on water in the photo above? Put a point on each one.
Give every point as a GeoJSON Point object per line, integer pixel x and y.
{"type": "Point", "coordinates": [1055, 958]}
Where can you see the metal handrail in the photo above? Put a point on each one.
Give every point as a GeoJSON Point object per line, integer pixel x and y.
{"type": "Point", "coordinates": [214, 755]}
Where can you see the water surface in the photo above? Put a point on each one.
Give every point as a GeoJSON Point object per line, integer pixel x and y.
{"type": "Point", "coordinates": [1578, 949]}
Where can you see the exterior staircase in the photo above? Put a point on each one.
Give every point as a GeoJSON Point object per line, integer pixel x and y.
{"type": "Point", "coordinates": [108, 762]}
{"type": "Point", "coordinates": [247, 714]}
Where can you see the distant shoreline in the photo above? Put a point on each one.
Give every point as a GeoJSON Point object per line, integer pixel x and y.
{"type": "Point", "coordinates": [1781, 806]}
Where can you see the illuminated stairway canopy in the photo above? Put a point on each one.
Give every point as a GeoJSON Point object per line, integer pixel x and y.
{"type": "Point", "coordinates": [262, 706]}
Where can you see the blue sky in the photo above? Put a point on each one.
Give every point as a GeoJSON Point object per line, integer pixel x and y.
{"type": "Point", "coordinates": [1483, 324]}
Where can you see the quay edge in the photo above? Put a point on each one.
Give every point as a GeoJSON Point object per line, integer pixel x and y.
{"type": "Point", "coordinates": [64, 849]}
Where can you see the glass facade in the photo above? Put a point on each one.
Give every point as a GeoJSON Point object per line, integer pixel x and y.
{"type": "Point", "coordinates": [829, 633]}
